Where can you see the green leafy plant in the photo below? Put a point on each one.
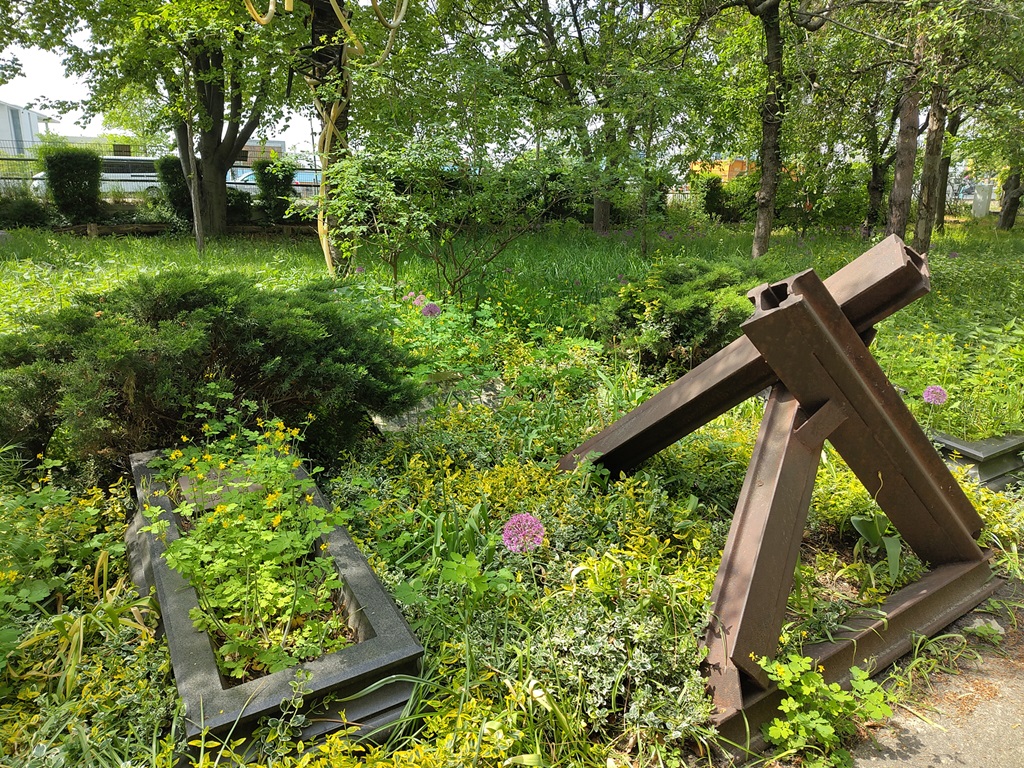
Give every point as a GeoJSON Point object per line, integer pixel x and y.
{"type": "Point", "coordinates": [274, 182]}
{"type": "Point", "coordinates": [119, 371]}
{"type": "Point", "coordinates": [877, 534]}
{"type": "Point", "coordinates": [73, 181]}
{"type": "Point", "coordinates": [247, 533]}
{"type": "Point", "coordinates": [817, 717]}
{"type": "Point", "coordinates": [73, 628]}
{"type": "Point", "coordinates": [49, 540]}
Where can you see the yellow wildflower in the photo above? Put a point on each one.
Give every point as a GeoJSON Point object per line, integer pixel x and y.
{"type": "Point", "coordinates": [276, 521]}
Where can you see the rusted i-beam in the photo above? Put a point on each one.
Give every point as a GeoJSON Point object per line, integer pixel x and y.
{"type": "Point", "coordinates": [803, 335]}
{"type": "Point", "coordinates": [883, 280]}
{"type": "Point", "coordinates": [756, 574]}
{"type": "Point", "coordinates": [831, 388]}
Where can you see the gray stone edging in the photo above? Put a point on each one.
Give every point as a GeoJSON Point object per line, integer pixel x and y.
{"type": "Point", "coordinates": [385, 647]}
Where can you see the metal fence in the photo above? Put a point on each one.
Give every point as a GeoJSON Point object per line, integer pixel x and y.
{"type": "Point", "coordinates": [18, 164]}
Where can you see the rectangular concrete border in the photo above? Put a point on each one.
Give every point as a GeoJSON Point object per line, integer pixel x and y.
{"type": "Point", "coordinates": [995, 462]}
{"type": "Point", "coordinates": [386, 645]}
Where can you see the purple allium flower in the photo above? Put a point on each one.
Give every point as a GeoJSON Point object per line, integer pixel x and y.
{"type": "Point", "coordinates": [409, 295]}
{"type": "Point", "coordinates": [954, 254]}
{"type": "Point", "coordinates": [360, 270]}
{"type": "Point", "coordinates": [934, 395]}
{"type": "Point", "coordinates": [420, 300]}
{"type": "Point", "coordinates": [431, 310]}
{"type": "Point", "coordinates": [522, 533]}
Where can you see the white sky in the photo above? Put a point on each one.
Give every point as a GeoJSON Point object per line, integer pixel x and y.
{"type": "Point", "coordinates": [44, 78]}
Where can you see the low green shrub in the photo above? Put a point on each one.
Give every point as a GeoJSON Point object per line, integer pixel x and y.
{"type": "Point", "coordinates": [681, 314]}
{"type": "Point", "coordinates": [707, 189]}
{"type": "Point", "coordinates": [740, 194]}
{"type": "Point", "coordinates": [122, 371]}
{"type": "Point", "coordinates": [240, 206]}
{"type": "Point", "coordinates": [174, 186]}
{"type": "Point", "coordinates": [73, 181]}
{"type": "Point", "coordinates": [20, 208]}
{"type": "Point", "coordinates": [274, 182]}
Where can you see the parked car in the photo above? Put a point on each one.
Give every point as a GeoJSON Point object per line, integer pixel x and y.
{"type": "Point", "coordinates": [124, 175]}
{"type": "Point", "coordinates": [305, 182]}
{"type": "Point", "coordinates": [245, 180]}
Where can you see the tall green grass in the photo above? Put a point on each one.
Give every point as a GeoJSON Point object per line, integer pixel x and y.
{"type": "Point", "coordinates": [42, 271]}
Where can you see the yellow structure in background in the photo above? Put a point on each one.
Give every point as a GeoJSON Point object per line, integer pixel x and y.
{"type": "Point", "coordinates": [726, 170]}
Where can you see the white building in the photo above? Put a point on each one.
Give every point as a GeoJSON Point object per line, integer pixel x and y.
{"type": "Point", "coordinates": [19, 128]}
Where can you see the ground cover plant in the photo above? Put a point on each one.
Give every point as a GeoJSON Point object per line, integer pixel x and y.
{"type": "Point", "coordinates": [243, 537]}
{"type": "Point", "coordinates": [560, 612]}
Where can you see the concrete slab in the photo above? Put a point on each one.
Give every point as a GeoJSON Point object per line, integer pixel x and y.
{"type": "Point", "coordinates": [974, 718]}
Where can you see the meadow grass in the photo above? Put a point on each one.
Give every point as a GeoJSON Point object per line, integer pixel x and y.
{"type": "Point", "coordinates": [580, 653]}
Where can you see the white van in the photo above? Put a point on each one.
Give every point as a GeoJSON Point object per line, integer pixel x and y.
{"type": "Point", "coordinates": [125, 175]}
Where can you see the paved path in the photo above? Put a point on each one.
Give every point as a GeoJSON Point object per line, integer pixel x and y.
{"type": "Point", "coordinates": [973, 719]}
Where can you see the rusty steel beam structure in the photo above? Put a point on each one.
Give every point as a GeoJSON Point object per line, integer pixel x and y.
{"type": "Point", "coordinates": [808, 341]}
{"type": "Point", "coordinates": [804, 336]}
{"type": "Point", "coordinates": [830, 388]}
{"type": "Point", "coordinates": [879, 638]}
{"type": "Point", "coordinates": [883, 280]}
{"type": "Point", "coordinates": [756, 573]}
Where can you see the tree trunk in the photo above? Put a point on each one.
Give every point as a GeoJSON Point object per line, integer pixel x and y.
{"type": "Point", "coordinates": [1012, 192]}
{"type": "Point", "coordinates": [190, 170]}
{"type": "Point", "coordinates": [876, 198]}
{"type": "Point", "coordinates": [332, 146]}
{"type": "Point", "coordinates": [927, 208]}
{"type": "Point", "coordinates": [602, 213]}
{"type": "Point", "coordinates": [223, 134]}
{"type": "Point", "coordinates": [906, 149]}
{"type": "Point", "coordinates": [772, 112]}
{"type": "Point", "coordinates": [941, 202]}
{"type": "Point", "coordinates": [213, 202]}
{"type": "Point", "coordinates": [330, 62]}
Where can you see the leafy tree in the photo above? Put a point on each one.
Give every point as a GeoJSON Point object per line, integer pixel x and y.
{"type": "Point", "coordinates": [994, 127]}
{"type": "Point", "coordinates": [274, 182]}
{"type": "Point", "coordinates": [426, 198]}
{"type": "Point", "coordinates": [201, 68]}
{"type": "Point", "coordinates": [609, 79]}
